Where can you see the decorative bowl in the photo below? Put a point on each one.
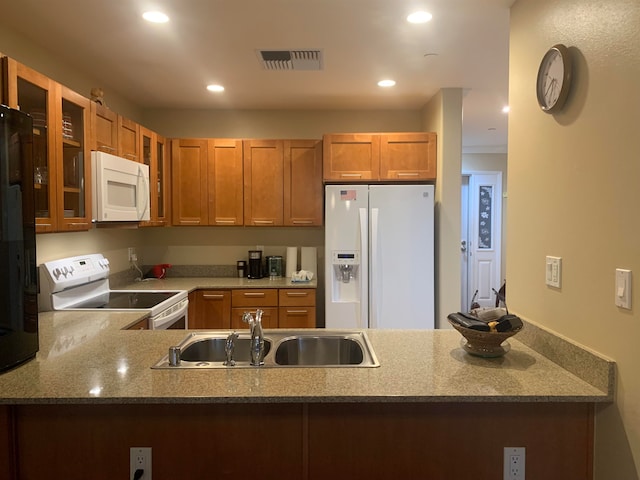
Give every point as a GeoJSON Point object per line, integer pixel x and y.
{"type": "Point", "coordinates": [484, 344]}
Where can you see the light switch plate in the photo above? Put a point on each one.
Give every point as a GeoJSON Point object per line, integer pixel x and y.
{"type": "Point", "coordinates": [623, 288]}
{"type": "Point", "coordinates": [553, 271]}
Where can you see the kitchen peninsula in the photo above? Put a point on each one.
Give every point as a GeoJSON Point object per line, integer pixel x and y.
{"type": "Point", "coordinates": [91, 386]}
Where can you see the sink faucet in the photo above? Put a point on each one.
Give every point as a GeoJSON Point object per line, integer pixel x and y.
{"type": "Point", "coordinates": [257, 337]}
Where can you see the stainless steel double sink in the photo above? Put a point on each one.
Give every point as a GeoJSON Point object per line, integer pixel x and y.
{"type": "Point", "coordinates": [283, 348]}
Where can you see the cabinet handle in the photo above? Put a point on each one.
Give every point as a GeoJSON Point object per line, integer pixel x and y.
{"type": "Point", "coordinates": [408, 174]}
{"type": "Point", "coordinates": [106, 147]}
{"type": "Point", "coordinates": [263, 222]}
{"type": "Point", "coordinates": [254, 294]}
{"type": "Point", "coordinates": [297, 312]}
{"type": "Point", "coordinates": [190, 222]}
{"type": "Point", "coordinates": [226, 221]}
{"type": "Point", "coordinates": [297, 294]}
{"type": "Point", "coordinates": [78, 224]}
{"type": "Point", "coordinates": [43, 224]}
{"type": "Point", "coordinates": [209, 295]}
{"type": "Point", "coordinates": [130, 155]}
{"type": "Point", "coordinates": [358, 175]}
{"type": "Point", "coordinates": [302, 222]}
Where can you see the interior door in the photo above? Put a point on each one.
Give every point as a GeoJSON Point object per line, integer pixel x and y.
{"type": "Point", "coordinates": [484, 243]}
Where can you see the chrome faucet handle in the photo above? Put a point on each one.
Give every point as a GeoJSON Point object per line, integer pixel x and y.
{"type": "Point", "coordinates": [229, 347]}
{"type": "Point", "coordinates": [248, 318]}
{"type": "Point", "coordinates": [257, 340]}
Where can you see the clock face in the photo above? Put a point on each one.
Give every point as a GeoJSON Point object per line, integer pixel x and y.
{"type": "Point", "coordinates": [554, 77]}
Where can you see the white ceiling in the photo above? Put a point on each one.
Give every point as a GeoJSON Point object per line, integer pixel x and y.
{"type": "Point", "coordinates": [215, 41]}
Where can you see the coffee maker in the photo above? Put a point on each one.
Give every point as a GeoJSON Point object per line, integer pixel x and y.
{"type": "Point", "coordinates": [255, 264]}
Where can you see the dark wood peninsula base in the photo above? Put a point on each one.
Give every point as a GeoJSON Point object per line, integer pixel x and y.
{"type": "Point", "coordinates": [305, 441]}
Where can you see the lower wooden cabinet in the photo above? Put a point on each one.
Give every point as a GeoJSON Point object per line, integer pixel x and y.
{"type": "Point", "coordinates": [223, 309]}
{"type": "Point", "coordinates": [297, 308]}
{"type": "Point", "coordinates": [140, 325]}
{"type": "Point", "coordinates": [212, 310]}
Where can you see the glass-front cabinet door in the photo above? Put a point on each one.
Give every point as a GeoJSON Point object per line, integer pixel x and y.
{"type": "Point", "coordinates": [74, 163]}
{"type": "Point", "coordinates": [35, 94]}
{"type": "Point", "coordinates": [61, 154]}
{"type": "Point", "coordinates": [152, 148]}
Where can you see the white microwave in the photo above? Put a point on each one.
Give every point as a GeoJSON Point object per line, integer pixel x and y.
{"type": "Point", "coordinates": [120, 189]}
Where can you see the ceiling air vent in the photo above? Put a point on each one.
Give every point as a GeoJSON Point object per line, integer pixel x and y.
{"type": "Point", "coordinates": [310, 59]}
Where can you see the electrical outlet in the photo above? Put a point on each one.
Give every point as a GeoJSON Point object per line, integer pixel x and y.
{"type": "Point", "coordinates": [133, 256]}
{"type": "Point", "coordinates": [140, 459]}
{"type": "Point", "coordinates": [514, 463]}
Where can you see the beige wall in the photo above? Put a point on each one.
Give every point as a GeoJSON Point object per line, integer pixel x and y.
{"type": "Point", "coordinates": [443, 114]}
{"type": "Point", "coordinates": [573, 192]}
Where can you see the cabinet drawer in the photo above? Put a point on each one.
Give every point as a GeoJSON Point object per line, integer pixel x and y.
{"type": "Point", "coordinates": [255, 297]}
{"type": "Point", "coordinates": [297, 317]}
{"type": "Point", "coordinates": [140, 325]}
{"type": "Point", "coordinates": [269, 317]}
{"type": "Point", "coordinates": [291, 297]}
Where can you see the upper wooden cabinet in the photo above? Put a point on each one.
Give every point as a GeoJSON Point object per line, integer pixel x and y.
{"type": "Point", "coordinates": [351, 157]}
{"type": "Point", "coordinates": [283, 182]}
{"type": "Point", "coordinates": [224, 182]}
{"type": "Point", "coordinates": [114, 134]}
{"type": "Point", "coordinates": [206, 179]}
{"type": "Point", "coordinates": [189, 182]}
{"type": "Point", "coordinates": [365, 157]}
{"type": "Point", "coordinates": [303, 192]}
{"type": "Point", "coordinates": [61, 135]}
{"type": "Point", "coordinates": [104, 129]}
{"type": "Point", "coordinates": [263, 182]}
{"type": "Point", "coordinates": [408, 156]}
{"type": "Point", "coordinates": [128, 139]}
{"type": "Point", "coordinates": [153, 149]}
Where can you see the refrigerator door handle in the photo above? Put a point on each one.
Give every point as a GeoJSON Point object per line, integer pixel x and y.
{"type": "Point", "coordinates": [374, 277]}
{"type": "Point", "coordinates": [364, 287]}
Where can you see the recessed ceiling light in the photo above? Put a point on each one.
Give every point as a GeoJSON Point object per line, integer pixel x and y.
{"type": "Point", "coordinates": [386, 83]}
{"type": "Point", "coordinates": [215, 88]}
{"type": "Point", "coordinates": [155, 17]}
{"type": "Point", "coordinates": [419, 17]}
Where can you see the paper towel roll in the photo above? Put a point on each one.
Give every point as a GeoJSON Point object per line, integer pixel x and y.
{"type": "Point", "coordinates": [292, 261]}
{"type": "Point", "coordinates": [309, 259]}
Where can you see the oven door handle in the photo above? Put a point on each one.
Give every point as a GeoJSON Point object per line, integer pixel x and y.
{"type": "Point", "coordinates": [168, 317]}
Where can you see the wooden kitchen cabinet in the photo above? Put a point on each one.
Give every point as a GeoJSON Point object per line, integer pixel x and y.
{"type": "Point", "coordinates": [206, 179]}
{"type": "Point", "coordinates": [263, 182]}
{"type": "Point", "coordinates": [212, 310]}
{"type": "Point", "coordinates": [62, 169]}
{"type": "Point", "coordinates": [128, 139]}
{"type": "Point", "coordinates": [408, 156]}
{"type": "Point", "coordinates": [224, 182]}
{"type": "Point", "coordinates": [303, 189]}
{"type": "Point", "coordinates": [189, 195]}
{"type": "Point", "coordinates": [297, 308]}
{"type": "Point", "coordinates": [251, 299]}
{"type": "Point", "coordinates": [351, 157]}
{"type": "Point", "coordinates": [153, 153]}
{"type": "Point", "coordinates": [379, 156]}
{"type": "Point", "coordinates": [104, 129]}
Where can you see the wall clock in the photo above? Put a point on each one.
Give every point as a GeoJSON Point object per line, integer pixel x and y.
{"type": "Point", "coordinates": [554, 79]}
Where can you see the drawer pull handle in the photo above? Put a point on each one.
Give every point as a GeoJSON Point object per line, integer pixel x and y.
{"type": "Point", "coordinates": [217, 295]}
{"type": "Point", "coordinates": [263, 222]}
{"type": "Point", "coordinates": [408, 174]}
{"type": "Point", "coordinates": [226, 222]}
{"type": "Point", "coordinates": [254, 294]}
{"type": "Point", "coordinates": [297, 294]}
{"type": "Point", "coordinates": [302, 222]}
{"type": "Point", "coordinates": [297, 312]}
{"type": "Point", "coordinates": [350, 175]}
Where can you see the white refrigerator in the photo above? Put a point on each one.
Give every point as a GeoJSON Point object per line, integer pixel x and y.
{"type": "Point", "coordinates": [379, 256]}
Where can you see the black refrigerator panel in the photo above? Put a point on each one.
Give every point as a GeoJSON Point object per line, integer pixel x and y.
{"type": "Point", "coordinates": [18, 270]}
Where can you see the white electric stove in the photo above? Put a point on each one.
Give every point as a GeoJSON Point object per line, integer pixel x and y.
{"type": "Point", "coordinates": [82, 283]}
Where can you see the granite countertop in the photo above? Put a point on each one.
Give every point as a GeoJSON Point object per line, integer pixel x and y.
{"type": "Point", "coordinates": [86, 357]}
